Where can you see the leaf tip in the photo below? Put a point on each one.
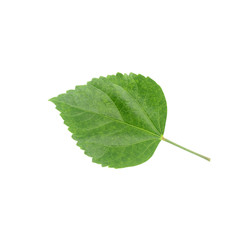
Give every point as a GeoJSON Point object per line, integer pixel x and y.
{"type": "Point", "coordinates": [52, 99]}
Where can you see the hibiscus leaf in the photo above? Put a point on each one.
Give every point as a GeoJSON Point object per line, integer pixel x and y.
{"type": "Point", "coordinates": [118, 120]}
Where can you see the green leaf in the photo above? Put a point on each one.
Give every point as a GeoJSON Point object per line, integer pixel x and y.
{"type": "Point", "coordinates": [118, 120]}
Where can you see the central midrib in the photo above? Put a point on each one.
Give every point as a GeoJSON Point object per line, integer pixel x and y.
{"type": "Point", "coordinates": [116, 120]}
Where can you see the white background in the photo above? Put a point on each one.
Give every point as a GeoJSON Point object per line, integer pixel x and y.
{"type": "Point", "coordinates": [50, 190]}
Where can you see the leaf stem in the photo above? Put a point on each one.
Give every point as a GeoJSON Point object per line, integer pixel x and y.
{"type": "Point", "coordinates": [200, 155]}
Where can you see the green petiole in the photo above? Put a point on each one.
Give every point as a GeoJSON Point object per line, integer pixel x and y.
{"type": "Point", "coordinates": [200, 155]}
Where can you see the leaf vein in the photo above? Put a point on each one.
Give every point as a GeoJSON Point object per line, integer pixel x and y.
{"type": "Point", "coordinates": [138, 105]}
{"type": "Point", "coordinates": [116, 120]}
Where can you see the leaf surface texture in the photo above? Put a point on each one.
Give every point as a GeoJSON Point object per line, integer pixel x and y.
{"type": "Point", "coordinates": [118, 120]}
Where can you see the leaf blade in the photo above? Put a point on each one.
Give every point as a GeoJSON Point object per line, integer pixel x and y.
{"type": "Point", "coordinates": [110, 120]}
